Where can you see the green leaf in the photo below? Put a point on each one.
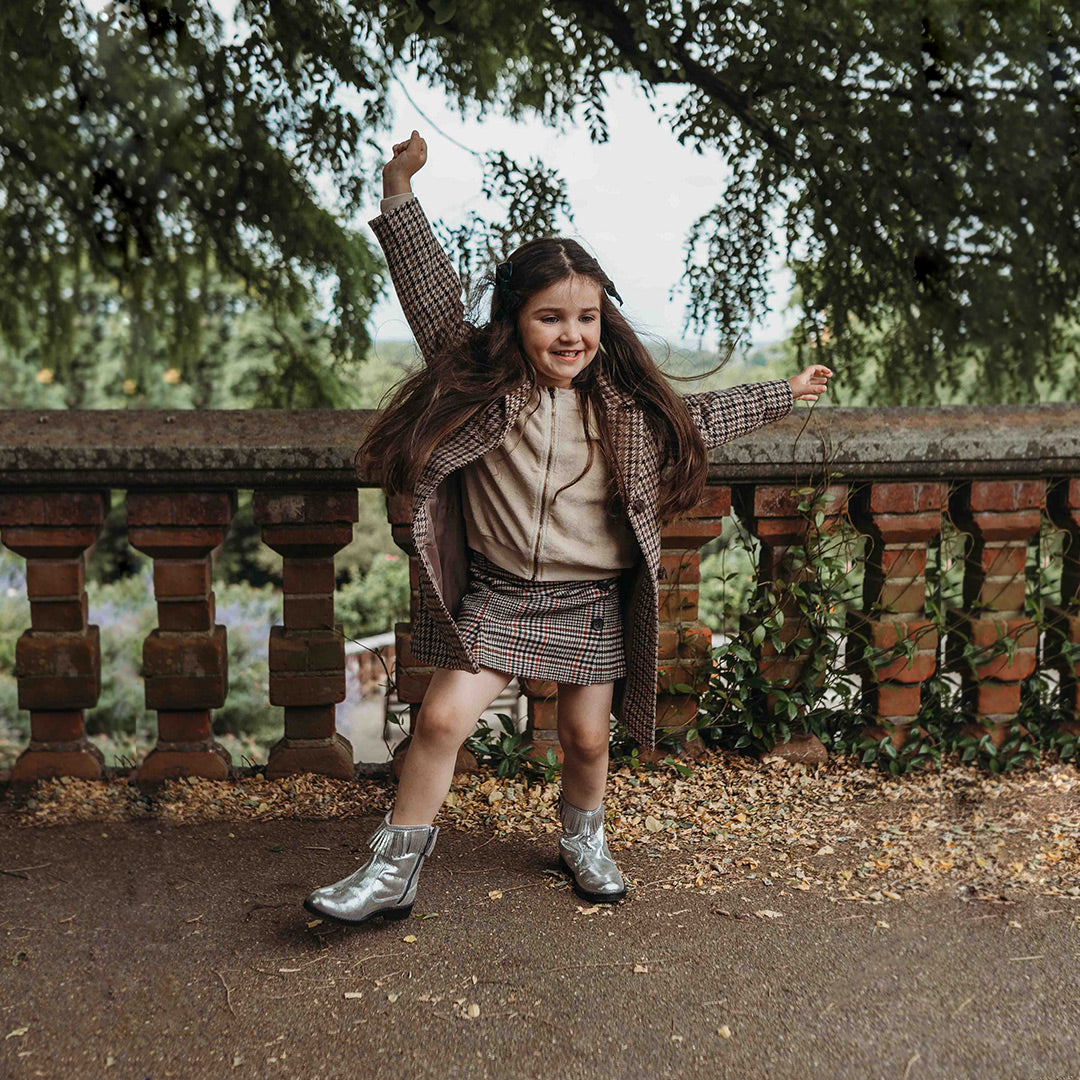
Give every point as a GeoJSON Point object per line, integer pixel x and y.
{"type": "Point", "coordinates": [444, 10]}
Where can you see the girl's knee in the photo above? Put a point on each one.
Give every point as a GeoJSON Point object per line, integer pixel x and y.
{"type": "Point", "coordinates": [440, 726]}
{"type": "Point", "coordinates": [584, 746]}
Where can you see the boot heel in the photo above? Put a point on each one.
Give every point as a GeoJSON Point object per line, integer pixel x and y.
{"type": "Point", "coordinates": [396, 913]}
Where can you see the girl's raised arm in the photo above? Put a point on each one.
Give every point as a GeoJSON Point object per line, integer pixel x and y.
{"type": "Point", "coordinates": [723, 415]}
{"type": "Point", "coordinates": [426, 283]}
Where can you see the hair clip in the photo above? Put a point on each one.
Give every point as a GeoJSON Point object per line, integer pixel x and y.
{"type": "Point", "coordinates": [503, 272]}
{"type": "Point", "coordinates": [609, 288]}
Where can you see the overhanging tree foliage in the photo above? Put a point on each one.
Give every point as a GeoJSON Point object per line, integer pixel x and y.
{"type": "Point", "coordinates": [914, 160]}
{"type": "Point", "coordinates": [141, 148]}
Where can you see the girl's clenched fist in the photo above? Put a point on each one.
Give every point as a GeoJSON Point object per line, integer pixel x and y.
{"type": "Point", "coordinates": [409, 156]}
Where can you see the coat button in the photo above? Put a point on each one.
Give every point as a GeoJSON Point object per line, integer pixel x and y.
{"type": "Point", "coordinates": [637, 506]}
{"type": "Point", "coordinates": [598, 623]}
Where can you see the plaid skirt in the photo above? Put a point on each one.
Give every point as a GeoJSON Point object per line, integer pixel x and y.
{"type": "Point", "coordinates": [565, 631]}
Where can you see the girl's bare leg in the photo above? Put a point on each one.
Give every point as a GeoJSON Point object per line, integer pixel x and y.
{"type": "Point", "coordinates": [452, 705]}
{"type": "Point", "coordinates": [583, 719]}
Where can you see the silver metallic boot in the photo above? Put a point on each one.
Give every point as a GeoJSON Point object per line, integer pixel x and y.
{"type": "Point", "coordinates": [386, 884]}
{"type": "Point", "coordinates": [583, 851]}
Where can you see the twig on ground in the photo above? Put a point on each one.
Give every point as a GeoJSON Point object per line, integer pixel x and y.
{"type": "Point", "coordinates": [258, 907]}
{"type": "Point", "coordinates": [18, 870]}
{"type": "Point", "coordinates": [228, 992]}
{"type": "Point", "coordinates": [963, 1004]}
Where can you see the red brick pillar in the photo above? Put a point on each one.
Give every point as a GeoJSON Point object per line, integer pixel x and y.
{"type": "Point", "coordinates": [307, 653]}
{"type": "Point", "coordinates": [899, 518]}
{"type": "Point", "coordinates": [999, 517]}
{"type": "Point", "coordinates": [685, 642]}
{"type": "Point", "coordinates": [58, 660]}
{"type": "Point", "coordinates": [541, 728]}
{"type": "Point", "coordinates": [411, 677]}
{"type": "Point", "coordinates": [1062, 620]}
{"type": "Point", "coordinates": [771, 512]}
{"type": "Point", "coordinates": [186, 658]}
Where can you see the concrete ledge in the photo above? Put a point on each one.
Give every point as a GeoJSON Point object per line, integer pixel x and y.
{"type": "Point", "coordinates": [314, 448]}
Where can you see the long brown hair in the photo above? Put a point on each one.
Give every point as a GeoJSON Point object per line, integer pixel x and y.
{"type": "Point", "coordinates": [487, 362]}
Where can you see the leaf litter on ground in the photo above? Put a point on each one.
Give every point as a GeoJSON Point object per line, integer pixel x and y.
{"type": "Point", "coordinates": [840, 828]}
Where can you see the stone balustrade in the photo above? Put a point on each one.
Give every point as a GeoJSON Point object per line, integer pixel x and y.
{"type": "Point", "coordinates": [998, 473]}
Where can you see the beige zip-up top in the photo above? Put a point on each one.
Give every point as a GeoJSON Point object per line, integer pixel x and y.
{"type": "Point", "coordinates": [511, 515]}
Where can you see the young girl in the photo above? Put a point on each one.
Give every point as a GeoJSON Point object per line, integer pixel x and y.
{"type": "Point", "coordinates": [544, 450]}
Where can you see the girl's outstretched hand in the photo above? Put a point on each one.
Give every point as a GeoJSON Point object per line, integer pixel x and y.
{"type": "Point", "coordinates": [409, 157]}
{"type": "Point", "coordinates": [810, 382]}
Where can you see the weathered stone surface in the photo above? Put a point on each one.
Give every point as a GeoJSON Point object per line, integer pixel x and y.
{"type": "Point", "coordinates": [313, 449]}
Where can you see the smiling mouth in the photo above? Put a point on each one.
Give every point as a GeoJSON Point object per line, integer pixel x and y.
{"type": "Point", "coordinates": [566, 355]}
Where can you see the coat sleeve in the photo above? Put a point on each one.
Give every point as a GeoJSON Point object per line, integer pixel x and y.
{"type": "Point", "coordinates": [723, 415]}
{"type": "Point", "coordinates": [426, 283]}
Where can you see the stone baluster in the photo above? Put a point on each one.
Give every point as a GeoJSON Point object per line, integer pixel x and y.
{"type": "Point", "coordinates": [186, 658]}
{"type": "Point", "coordinates": [1063, 620]}
{"type": "Point", "coordinates": [771, 513]}
{"type": "Point", "coordinates": [999, 517]}
{"type": "Point", "coordinates": [307, 652]}
{"type": "Point", "coordinates": [899, 518]}
{"type": "Point", "coordinates": [541, 716]}
{"type": "Point", "coordinates": [685, 642]}
{"type": "Point", "coordinates": [58, 660]}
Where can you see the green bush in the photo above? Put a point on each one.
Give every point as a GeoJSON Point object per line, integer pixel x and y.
{"type": "Point", "coordinates": [371, 603]}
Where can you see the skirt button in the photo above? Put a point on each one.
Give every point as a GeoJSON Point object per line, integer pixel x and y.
{"type": "Point", "coordinates": [597, 623]}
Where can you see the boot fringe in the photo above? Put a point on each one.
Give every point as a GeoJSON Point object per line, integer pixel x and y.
{"type": "Point", "coordinates": [393, 841]}
{"type": "Point", "coordinates": [576, 821]}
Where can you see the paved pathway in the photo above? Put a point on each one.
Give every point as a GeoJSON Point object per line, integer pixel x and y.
{"type": "Point", "coordinates": [155, 952]}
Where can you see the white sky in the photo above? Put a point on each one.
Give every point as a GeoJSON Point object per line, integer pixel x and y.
{"type": "Point", "coordinates": [634, 197]}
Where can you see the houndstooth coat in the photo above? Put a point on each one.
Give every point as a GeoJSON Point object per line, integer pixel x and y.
{"type": "Point", "coordinates": [430, 294]}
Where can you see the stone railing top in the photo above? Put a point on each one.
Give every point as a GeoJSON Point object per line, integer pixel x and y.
{"type": "Point", "coordinates": [314, 448]}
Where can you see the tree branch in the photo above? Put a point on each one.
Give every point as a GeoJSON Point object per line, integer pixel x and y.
{"type": "Point", "coordinates": [606, 16]}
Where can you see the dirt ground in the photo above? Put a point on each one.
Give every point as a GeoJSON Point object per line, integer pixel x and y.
{"type": "Point", "coordinates": [157, 944]}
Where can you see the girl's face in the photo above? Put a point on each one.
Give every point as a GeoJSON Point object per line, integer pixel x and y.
{"type": "Point", "coordinates": [560, 329]}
